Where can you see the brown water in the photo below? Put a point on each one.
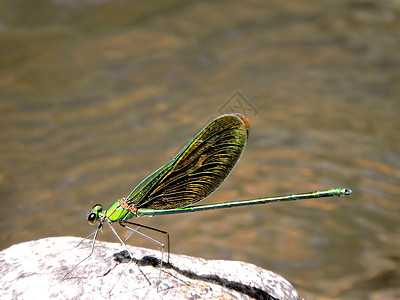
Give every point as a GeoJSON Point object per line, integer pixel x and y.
{"type": "Point", "coordinates": [95, 95]}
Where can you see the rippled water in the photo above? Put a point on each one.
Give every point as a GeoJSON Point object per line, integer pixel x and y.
{"type": "Point", "coordinates": [95, 95]}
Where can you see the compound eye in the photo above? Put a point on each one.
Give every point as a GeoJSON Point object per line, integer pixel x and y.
{"type": "Point", "coordinates": [98, 207]}
{"type": "Point", "coordinates": [92, 218]}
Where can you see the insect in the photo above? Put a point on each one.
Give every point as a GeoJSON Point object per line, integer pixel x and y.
{"type": "Point", "coordinates": [196, 172]}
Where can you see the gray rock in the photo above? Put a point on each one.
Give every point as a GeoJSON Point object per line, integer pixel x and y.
{"type": "Point", "coordinates": [35, 270]}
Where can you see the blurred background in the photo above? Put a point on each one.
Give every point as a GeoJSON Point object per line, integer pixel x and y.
{"type": "Point", "coordinates": [95, 95]}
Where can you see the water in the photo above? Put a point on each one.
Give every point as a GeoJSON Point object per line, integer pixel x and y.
{"type": "Point", "coordinates": [95, 95]}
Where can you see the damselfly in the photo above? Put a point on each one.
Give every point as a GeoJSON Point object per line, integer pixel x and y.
{"type": "Point", "coordinates": [191, 176]}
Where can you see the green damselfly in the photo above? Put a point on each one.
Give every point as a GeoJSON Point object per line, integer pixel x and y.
{"type": "Point", "coordinates": [196, 172]}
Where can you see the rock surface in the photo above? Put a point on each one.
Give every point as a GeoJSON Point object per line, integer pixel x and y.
{"type": "Point", "coordinates": [35, 270]}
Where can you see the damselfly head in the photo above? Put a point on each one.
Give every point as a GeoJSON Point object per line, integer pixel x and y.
{"type": "Point", "coordinates": [94, 214]}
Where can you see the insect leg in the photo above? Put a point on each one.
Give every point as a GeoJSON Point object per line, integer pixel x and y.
{"type": "Point", "coordinates": [122, 223]}
{"type": "Point", "coordinates": [86, 237]}
{"type": "Point", "coordinates": [131, 255]}
{"type": "Point", "coordinates": [90, 254]}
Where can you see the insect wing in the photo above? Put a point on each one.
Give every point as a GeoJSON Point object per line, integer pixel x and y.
{"type": "Point", "coordinates": [198, 169]}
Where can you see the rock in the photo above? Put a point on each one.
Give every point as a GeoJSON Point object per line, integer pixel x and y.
{"type": "Point", "coordinates": [35, 270]}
